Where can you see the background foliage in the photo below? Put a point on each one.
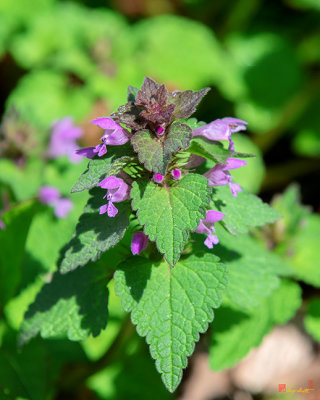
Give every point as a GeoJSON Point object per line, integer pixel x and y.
{"type": "Point", "coordinates": [76, 59]}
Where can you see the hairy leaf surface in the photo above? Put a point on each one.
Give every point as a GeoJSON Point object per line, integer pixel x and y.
{"type": "Point", "coordinates": [75, 304]}
{"type": "Point", "coordinates": [253, 270]}
{"type": "Point", "coordinates": [171, 306]}
{"type": "Point", "coordinates": [99, 167]}
{"type": "Point", "coordinates": [95, 233]}
{"type": "Point", "coordinates": [169, 213]}
{"type": "Point", "coordinates": [186, 102]}
{"type": "Point", "coordinates": [156, 154]}
{"type": "Point", "coordinates": [244, 211]}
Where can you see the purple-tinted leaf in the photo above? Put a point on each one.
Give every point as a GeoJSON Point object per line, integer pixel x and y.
{"type": "Point", "coordinates": [186, 102]}
{"type": "Point", "coordinates": [155, 154]}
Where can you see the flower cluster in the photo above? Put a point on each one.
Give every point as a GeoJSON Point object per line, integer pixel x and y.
{"type": "Point", "coordinates": [151, 119]}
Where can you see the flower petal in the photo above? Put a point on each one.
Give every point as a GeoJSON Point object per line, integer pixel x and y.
{"type": "Point", "coordinates": [111, 182]}
{"type": "Point", "coordinates": [111, 210]}
{"type": "Point", "coordinates": [88, 152]}
{"type": "Point", "coordinates": [216, 130]}
{"type": "Point", "coordinates": [234, 163]}
{"type": "Point", "coordinates": [105, 123]}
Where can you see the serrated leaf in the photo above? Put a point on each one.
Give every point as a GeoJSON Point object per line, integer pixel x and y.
{"type": "Point", "coordinates": [150, 151]}
{"type": "Point", "coordinates": [312, 319]}
{"type": "Point", "coordinates": [154, 99]}
{"type": "Point", "coordinates": [169, 213]}
{"type": "Point", "coordinates": [75, 304]}
{"type": "Point", "coordinates": [253, 270]}
{"type": "Point", "coordinates": [99, 167]}
{"type": "Point", "coordinates": [186, 102]}
{"type": "Point", "coordinates": [236, 331]}
{"type": "Point", "coordinates": [213, 150]}
{"type": "Point", "coordinates": [155, 154]}
{"type": "Point", "coordinates": [95, 233]}
{"type": "Point", "coordinates": [171, 307]}
{"type": "Point", "coordinates": [244, 211]}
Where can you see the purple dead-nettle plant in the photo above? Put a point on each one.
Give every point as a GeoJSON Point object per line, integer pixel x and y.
{"type": "Point", "coordinates": [154, 126]}
{"type": "Point", "coordinates": [161, 192]}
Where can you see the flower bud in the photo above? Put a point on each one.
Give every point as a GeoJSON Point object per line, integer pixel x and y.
{"type": "Point", "coordinates": [176, 174]}
{"type": "Point", "coordinates": [158, 178]}
{"type": "Point", "coordinates": [159, 130]}
{"type": "Point", "coordinates": [139, 242]}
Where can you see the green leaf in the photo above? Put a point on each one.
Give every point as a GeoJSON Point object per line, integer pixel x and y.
{"type": "Point", "coordinates": [169, 213]}
{"type": "Point", "coordinates": [24, 374]}
{"type": "Point", "coordinates": [155, 154]}
{"type": "Point", "coordinates": [312, 319]}
{"type": "Point", "coordinates": [12, 243]}
{"type": "Point", "coordinates": [212, 150]}
{"type": "Point", "coordinates": [244, 211]}
{"type": "Point", "coordinates": [303, 250]}
{"type": "Point", "coordinates": [171, 306]}
{"type": "Point", "coordinates": [100, 167]}
{"type": "Point", "coordinates": [236, 332]}
{"type": "Point", "coordinates": [95, 233]}
{"type": "Point", "coordinates": [186, 102]}
{"type": "Point", "coordinates": [75, 304]}
{"type": "Point", "coordinates": [253, 270]}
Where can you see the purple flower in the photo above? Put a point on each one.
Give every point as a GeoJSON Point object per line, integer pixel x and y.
{"type": "Point", "coordinates": [221, 129]}
{"type": "Point", "coordinates": [2, 225]}
{"type": "Point", "coordinates": [118, 191]}
{"type": "Point", "coordinates": [158, 178]}
{"type": "Point", "coordinates": [139, 242]}
{"type": "Point", "coordinates": [114, 135]}
{"type": "Point", "coordinates": [176, 174]}
{"type": "Point", "coordinates": [63, 140]}
{"type": "Point", "coordinates": [206, 226]}
{"type": "Point", "coordinates": [51, 196]}
{"type": "Point", "coordinates": [219, 175]}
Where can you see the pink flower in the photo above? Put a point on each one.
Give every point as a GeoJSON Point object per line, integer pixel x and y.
{"type": "Point", "coordinates": [117, 191]}
{"type": "Point", "coordinates": [219, 175]}
{"type": "Point", "coordinates": [206, 226]}
{"type": "Point", "coordinates": [139, 242]}
{"type": "Point", "coordinates": [114, 135]}
{"type": "Point", "coordinates": [221, 129]}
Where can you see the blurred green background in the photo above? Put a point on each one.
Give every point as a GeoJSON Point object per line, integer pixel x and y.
{"type": "Point", "coordinates": [57, 58]}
